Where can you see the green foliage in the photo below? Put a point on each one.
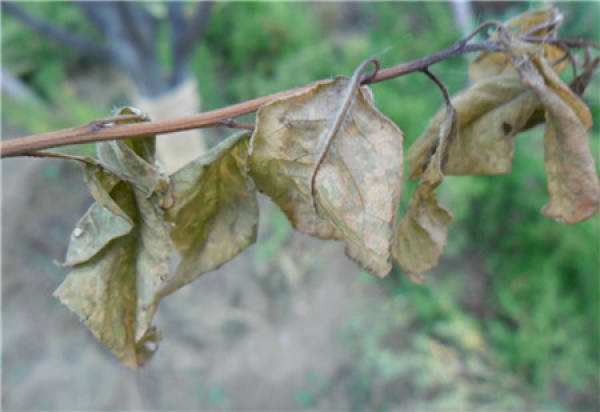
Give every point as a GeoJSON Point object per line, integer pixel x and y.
{"type": "Point", "coordinates": [250, 39]}
{"type": "Point", "coordinates": [420, 349]}
{"type": "Point", "coordinates": [24, 52]}
{"type": "Point", "coordinates": [544, 276]}
{"type": "Point", "coordinates": [44, 67]}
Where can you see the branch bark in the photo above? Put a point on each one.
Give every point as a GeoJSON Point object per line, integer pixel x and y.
{"type": "Point", "coordinates": [88, 134]}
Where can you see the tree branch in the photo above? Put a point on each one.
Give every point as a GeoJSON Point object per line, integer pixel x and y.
{"type": "Point", "coordinates": [46, 29]}
{"type": "Point", "coordinates": [101, 14]}
{"type": "Point", "coordinates": [179, 38]}
{"type": "Point", "coordinates": [140, 26]}
{"type": "Point", "coordinates": [85, 134]}
{"type": "Point", "coordinates": [131, 45]}
{"type": "Point", "coordinates": [199, 21]}
{"type": "Point", "coordinates": [185, 34]}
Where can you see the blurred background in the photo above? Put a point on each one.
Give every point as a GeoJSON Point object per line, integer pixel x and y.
{"type": "Point", "coordinates": [509, 320]}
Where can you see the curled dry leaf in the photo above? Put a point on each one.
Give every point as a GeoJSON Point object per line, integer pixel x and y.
{"type": "Point", "coordinates": [489, 64]}
{"type": "Point", "coordinates": [120, 251]}
{"type": "Point", "coordinates": [215, 211]}
{"type": "Point", "coordinates": [112, 286]}
{"type": "Point", "coordinates": [357, 186]}
{"type": "Point", "coordinates": [490, 114]}
{"type": "Point", "coordinates": [571, 172]}
{"type": "Point", "coordinates": [421, 235]}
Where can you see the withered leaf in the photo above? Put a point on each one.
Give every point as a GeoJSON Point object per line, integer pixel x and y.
{"type": "Point", "coordinates": [489, 64]}
{"type": "Point", "coordinates": [357, 186]}
{"type": "Point", "coordinates": [96, 228]}
{"type": "Point", "coordinates": [490, 114]}
{"type": "Point", "coordinates": [571, 172]}
{"type": "Point", "coordinates": [120, 251]}
{"type": "Point", "coordinates": [120, 158]}
{"type": "Point", "coordinates": [215, 211]}
{"type": "Point", "coordinates": [421, 235]}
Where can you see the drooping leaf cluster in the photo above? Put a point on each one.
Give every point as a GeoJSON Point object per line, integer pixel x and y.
{"type": "Point", "coordinates": [334, 164]}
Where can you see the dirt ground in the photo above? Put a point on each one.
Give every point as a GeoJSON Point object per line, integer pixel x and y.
{"type": "Point", "coordinates": [248, 336]}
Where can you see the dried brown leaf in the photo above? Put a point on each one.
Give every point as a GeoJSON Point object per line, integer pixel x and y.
{"type": "Point", "coordinates": [102, 290]}
{"type": "Point", "coordinates": [488, 64]}
{"type": "Point", "coordinates": [570, 168]}
{"type": "Point", "coordinates": [490, 114]}
{"type": "Point", "coordinates": [120, 250]}
{"type": "Point", "coordinates": [358, 184]}
{"type": "Point", "coordinates": [421, 235]}
{"type": "Point", "coordinates": [215, 211]}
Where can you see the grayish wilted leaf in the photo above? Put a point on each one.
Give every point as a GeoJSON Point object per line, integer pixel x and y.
{"type": "Point", "coordinates": [215, 211]}
{"type": "Point", "coordinates": [490, 114]}
{"type": "Point", "coordinates": [120, 251]}
{"type": "Point", "coordinates": [358, 185]}
{"type": "Point", "coordinates": [570, 167]}
{"type": "Point", "coordinates": [421, 235]}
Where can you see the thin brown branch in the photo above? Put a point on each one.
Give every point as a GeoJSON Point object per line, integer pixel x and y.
{"type": "Point", "coordinates": [449, 123]}
{"type": "Point", "coordinates": [88, 133]}
{"type": "Point", "coordinates": [570, 56]}
{"type": "Point", "coordinates": [439, 84]}
{"type": "Point", "coordinates": [580, 83]}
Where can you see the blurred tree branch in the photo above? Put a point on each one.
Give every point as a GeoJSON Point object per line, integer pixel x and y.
{"type": "Point", "coordinates": [185, 33]}
{"type": "Point", "coordinates": [44, 28]}
{"type": "Point", "coordinates": [129, 32]}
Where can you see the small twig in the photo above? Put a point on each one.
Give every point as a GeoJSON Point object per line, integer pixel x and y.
{"type": "Point", "coordinates": [439, 84]}
{"type": "Point", "coordinates": [559, 60]}
{"type": "Point", "coordinates": [587, 57]}
{"type": "Point", "coordinates": [236, 125]}
{"type": "Point", "coordinates": [499, 27]}
{"type": "Point", "coordinates": [351, 91]}
{"type": "Point", "coordinates": [579, 84]}
{"type": "Point", "coordinates": [561, 45]}
{"type": "Point", "coordinates": [366, 78]}
{"type": "Point", "coordinates": [567, 51]}
{"type": "Point", "coordinates": [443, 142]}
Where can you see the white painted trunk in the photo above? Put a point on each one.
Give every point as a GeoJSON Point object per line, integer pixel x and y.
{"type": "Point", "coordinates": [174, 150]}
